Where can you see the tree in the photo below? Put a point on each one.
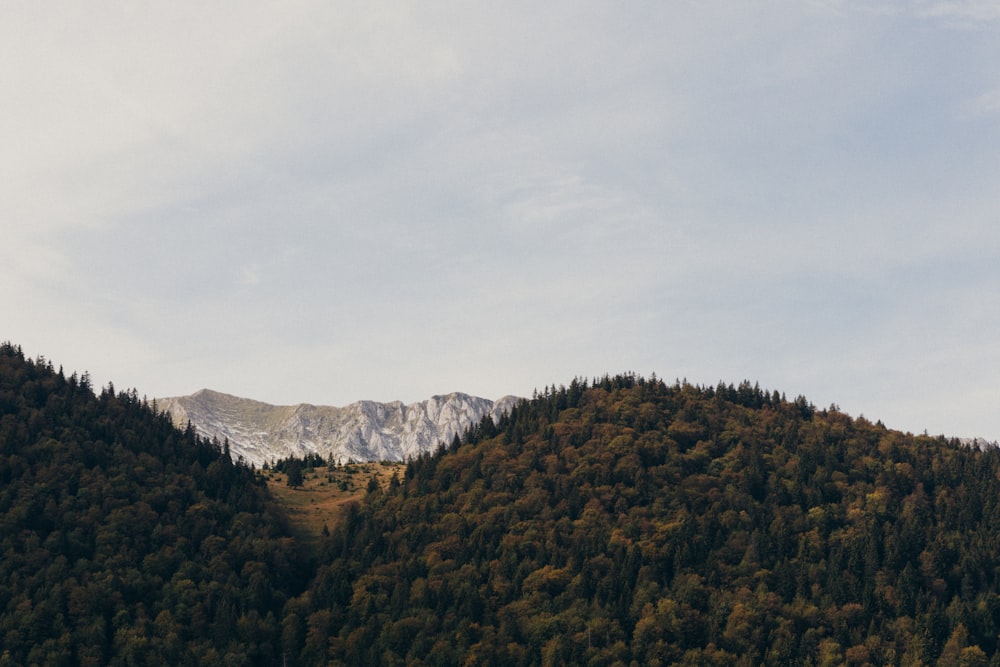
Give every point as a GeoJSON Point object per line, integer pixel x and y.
{"type": "Point", "coordinates": [956, 653]}
{"type": "Point", "coordinates": [295, 474]}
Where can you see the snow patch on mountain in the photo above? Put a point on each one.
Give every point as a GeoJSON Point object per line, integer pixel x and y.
{"type": "Point", "coordinates": [362, 431]}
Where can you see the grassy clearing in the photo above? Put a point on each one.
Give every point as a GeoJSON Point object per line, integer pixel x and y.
{"type": "Point", "coordinates": [321, 500]}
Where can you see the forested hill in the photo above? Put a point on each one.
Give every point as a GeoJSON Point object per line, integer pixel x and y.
{"type": "Point", "coordinates": [124, 541]}
{"type": "Point", "coordinates": [623, 521]}
{"type": "Point", "coordinates": [628, 521]}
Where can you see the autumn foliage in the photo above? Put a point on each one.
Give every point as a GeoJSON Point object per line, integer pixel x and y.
{"type": "Point", "coordinates": [618, 521]}
{"type": "Point", "coordinates": [628, 521]}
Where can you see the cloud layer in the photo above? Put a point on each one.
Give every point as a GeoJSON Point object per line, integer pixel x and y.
{"type": "Point", "coordinates": [331, 201]}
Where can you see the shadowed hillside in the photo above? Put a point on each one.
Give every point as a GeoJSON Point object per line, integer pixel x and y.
{"type": "Point", "coordinates": [125, 541]}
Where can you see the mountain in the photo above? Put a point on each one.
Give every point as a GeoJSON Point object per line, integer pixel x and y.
{"type": "Point", "coordinates": [624, 521]}
{"type": "Point", "coordinates": [362, 431]}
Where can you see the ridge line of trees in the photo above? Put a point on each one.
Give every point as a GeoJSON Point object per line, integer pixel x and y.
{"type": "Point", "coordinates": [620, 520]}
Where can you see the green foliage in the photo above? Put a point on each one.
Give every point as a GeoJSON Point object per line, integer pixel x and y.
{"type": "Point", "coordinates": [305, 463]}
{"type": "Point", "coordinates": [630, 521]}
{"type": "Point", "coordinates": [126, 541]}
{"type": "Point", "coordinates": [295, 478]}
{"type": "Point", "coordinates": [613, 522]}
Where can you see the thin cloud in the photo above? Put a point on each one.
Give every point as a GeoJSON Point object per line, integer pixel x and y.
{"type": "Point", "coordinates": [327, 202]}
{"type": "Point", "coordinates": [961, 12]}
{"type": "Point", "coordinates": [984, 105]}
{"type": "Point", "coordinates": [249, 276]}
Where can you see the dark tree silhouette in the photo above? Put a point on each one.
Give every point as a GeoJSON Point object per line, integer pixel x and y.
{"type": "Point", "coordinates": [295, 478]}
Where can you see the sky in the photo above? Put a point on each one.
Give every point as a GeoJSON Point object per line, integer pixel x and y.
{"type": "Point", "coordinates": [325, 202]}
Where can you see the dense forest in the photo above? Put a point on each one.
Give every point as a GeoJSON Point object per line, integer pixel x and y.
{"type": "Point", "coordinates": [631, 522]}
{"type": "Point", "coordinates": [619, 521]}
{"type": "Point", "coordinates": [124, 541]}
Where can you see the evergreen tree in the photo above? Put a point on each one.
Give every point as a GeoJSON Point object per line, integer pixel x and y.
{"type": "Point", "coordinates": [294, 471]}
{"type": "Point", "coordinates": [124, 540]}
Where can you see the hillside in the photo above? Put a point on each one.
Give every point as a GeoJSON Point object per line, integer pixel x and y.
{"type": "Point", "coordinates": [261, 433]}
{"type": "Point", "coordinates": [125, 541]}
{"type": "Point", "coordinates": [633, 522]}
{"type": "Point", "coordinates": [615, 522]}
{"type": "Point", "coordinates": [325, 494]}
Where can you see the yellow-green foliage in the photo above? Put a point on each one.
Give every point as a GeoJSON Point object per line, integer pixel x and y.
{"type": "Point", "coordinates": [630, 520]}
{"type": "Point", "coordinates": [619, 522]}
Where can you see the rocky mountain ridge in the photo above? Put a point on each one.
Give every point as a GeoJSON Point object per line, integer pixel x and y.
{"type": "Point", "coordinates": [362, 431]}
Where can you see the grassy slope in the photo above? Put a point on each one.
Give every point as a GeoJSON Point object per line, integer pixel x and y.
{"type": "Point", "coordinates": [326, 492]}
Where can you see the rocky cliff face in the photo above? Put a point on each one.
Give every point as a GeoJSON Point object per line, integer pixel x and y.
{"type": "Point", "coordinates": [362, 431]}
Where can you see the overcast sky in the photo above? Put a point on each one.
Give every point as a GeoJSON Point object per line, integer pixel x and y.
{"type": "Point", "coordinates": [331, 201]}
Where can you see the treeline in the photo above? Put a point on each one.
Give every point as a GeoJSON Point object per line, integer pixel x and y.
{"type": "Point", "coordinates": [124, 541]}
{"type": "Point", "coordinates": [628, 521]}
{"type": "Point", "coordinates": [615, 521]}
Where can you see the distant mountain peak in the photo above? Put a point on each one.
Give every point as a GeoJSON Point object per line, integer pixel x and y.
{"type": "Point", "coordinates": [978, 443]}
{"type": "Point", "coordinates": [362, 431]}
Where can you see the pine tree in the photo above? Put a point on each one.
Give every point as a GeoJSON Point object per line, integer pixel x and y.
{"type": "Point", "coordinates": [295, 474]}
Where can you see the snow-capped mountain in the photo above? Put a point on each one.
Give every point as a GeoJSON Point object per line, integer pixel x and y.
{"type": "Point", "coordinates": [362, 431]}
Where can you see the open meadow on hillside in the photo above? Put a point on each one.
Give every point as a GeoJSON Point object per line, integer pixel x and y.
{"type": "Point", "coordinates": [326, 490]}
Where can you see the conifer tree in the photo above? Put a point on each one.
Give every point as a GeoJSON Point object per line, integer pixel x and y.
{"type": "Point", "coordinates": [295, 479]}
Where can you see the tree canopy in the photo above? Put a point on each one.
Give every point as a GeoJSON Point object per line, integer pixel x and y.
{"type": "Point", "coordinates": [627, 521]}
{"type": "Point", "coordinates": [125, 541]}
{"type": "Point", "coordinates": [618, 521]}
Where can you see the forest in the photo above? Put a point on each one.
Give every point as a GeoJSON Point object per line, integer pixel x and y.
{"type": "Point", "coordinates": [616, 521]}
{"type": "Point", "coordinates": [627, 521]}
{"type": "Point", "coordinates": [124, 541]}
